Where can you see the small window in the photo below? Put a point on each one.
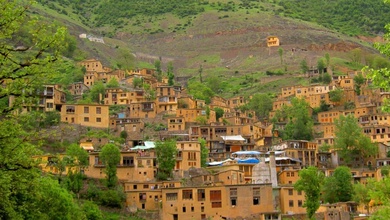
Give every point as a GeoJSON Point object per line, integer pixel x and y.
{"type": "Point", "coordinates": [216, 204]}
{"type": "Point", "coordinates": [98, 119]}
{"type": "Point", "coordinates": [98, 110]}
{"type": "Point", "coordinates": [300, 203]}
{"type": "Point", "coordinates": [187, 194]}
{"type": "Point", "coordinates": [86, 119]}
{"type": "Point", "coordinates": [290, 192]}
{"type": "Point", "coordinates": [291, 203]}
{"type": "Point", "coordinates": [86, 109]}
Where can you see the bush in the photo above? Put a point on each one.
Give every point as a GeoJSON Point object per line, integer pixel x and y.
{"type": "Point", "coordinates": [92, 211]}
{"type": "Point", "coordinates": [113, 198]}
{"type": "Point", "coordinates": [93, 192]}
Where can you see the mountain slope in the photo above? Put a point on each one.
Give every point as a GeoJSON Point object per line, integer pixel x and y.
{"type": "Point", "coordinates": [226, 39]}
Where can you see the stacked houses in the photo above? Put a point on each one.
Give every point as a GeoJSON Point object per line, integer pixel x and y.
{"type": "Point", "coordinates": [249, 174]}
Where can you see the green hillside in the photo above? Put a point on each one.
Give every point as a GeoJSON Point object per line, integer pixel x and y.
{"type": "Point", "coordinates": [353, 17]}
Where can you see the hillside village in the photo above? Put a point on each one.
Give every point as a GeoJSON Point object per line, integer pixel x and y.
{"type": "Point", "coordinates": [250, 170]}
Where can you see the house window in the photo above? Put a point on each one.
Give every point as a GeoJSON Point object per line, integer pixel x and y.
{"type": "Point", "coordinates": [49, 105]}
{"type": "Point", "coordinates": [128, 161]}
{"type": "Point", "coordinates": [86, 119]}
{"type": "Point", "coordinates": [290, 203]}
{"type": "Point", "coordinates": [134, 186]}
{"type": "Point", "coordinates": [256, 196]}
{"type": "Point", "coordinates": [191, 155]}
{"type": "Point", "coordinates": [98, 110]}
{"type": "Point", "coordinates": [171, 196]}
{"type": "Point", "coordinates": [300, 203]}
{"type": "Point", "coordinates": [187, 194]}
{"type": "Point", "coordinates": [146, 186]}
{"type": "Point", "coordinates": [142, 197]}
{"type": "Point", "coordinates": [201, 195]}
{"type": "Point", "coordinates": [216, 204]}
{"type": "Point", "coordinates": [290, 192]}
{"type": "Point", "coordinates": [215, 195]}
{"type": "Point", "coordinates": [233, 196]}
{"type": "Point", "coordinates": [98, 119]}
{"type": "Point", "coordinates": [86, 109]}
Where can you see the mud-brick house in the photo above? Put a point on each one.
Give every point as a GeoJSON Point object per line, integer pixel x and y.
{"type": "Point", "coordinates": [89, 115]}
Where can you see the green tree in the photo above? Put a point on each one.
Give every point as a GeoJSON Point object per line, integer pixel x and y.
{"type": "Point", "coordinates": [304, 66]}
{"type": "Point", "coordinates": [111, 157]}
{"type": "Point", "coordinates": [123, 135]}
{"type": "Point", "coordinates": [215, 84]}
{"type": "Point", "coordinates": [137, 82]}
{"type": "Point", "coordinates": [327, 78]}
{"type": "Point", "coordinates": [379, 192]}
{"type": "Point", "coordinates": [112, 83]}
{"type": "Point", "coordinates": [350, 141]}
{"type": "Point", "coordinates": [356, 56]}
{"type": "Point", "coordinates": [218, 113]}
{"type": "Point", "coordinates": [125, 59]}
{"type": "Point", "coordinates": [200, 91]}
{"type": "Point", "coordinates": [150, 93]}
{"type": "Point", "coordinates": [29, 50]}
{"type": "Point", "coordinates": [166, 158]}
{"type": "Point", "coordinates": [200, 71]}
{"type": "Point", "coordinates": [96, 91]}
{"type": "Point", "coordinates": [310, 182]}
{"type": "Point", "coordinates": [338, 187]}
{"type": "Point", "coordinates": [280, 51]}
{"type": "Point", "coordinates": [381, 76]}
{"type": "Point", "coordinates": [201, 120]}
{"type": "Point", "coordinates": [358, 82]}
{"type": "Point", "coordinates": [361, 194]}
{"type": "Point", "coordinates": [327, 60]}
{"type": "Point", "coordinates": [321, 66]}
{"type": "Point", "coordinates": [77, 159]}
{"type": "Point", "coordinates": [261, 104]}
{"type": "Point", "coordinates": [92, 211]}
{"type": "Point", "coordinates": [204, 152]}
{"type": "Point", "coordinates": [171, 76]}
{"type": "Point", "coordinates": [336, 95]}
{"type": "Point", "coordinates": [157, 65]}
{"type": "Point", "coordinates": [299, 122]}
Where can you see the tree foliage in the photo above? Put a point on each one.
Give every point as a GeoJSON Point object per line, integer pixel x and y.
{"type": "Point", "coordinates": [379, 192]}
{"type": "Point", "coordinates": [304, 66]}
{"type": "Point", "coordinates": [111, 157]}
{"type": "Point", "coordinates": [218, 113]}
{"type": "Point", "coordinates": [166, 158]}
{"type": "Point", "coordinates": [171, 76]}
{"type": "Point", "coordinates": [336, 95]}
{"type": "Point", "coordinates": [361, 194]}
{"type": "Point", "coordinates": [200, 91]}
{"type": "Point", "coordinates": [112, 83]}
{"type": "Point", "coordinates": [381, 76]}
{"type": "Point", "coordinates": [338, 187]}
{"type": "Point", "coordinates": [204, 152]}
{"type": "Point", "coordinates": [343, 15]}
{"type": "Point", "coordinates": [299, 123]}
{"type": "Point", "coordinates": [29, 50]}
{"type": "Point", "coordinates": [310, 182]}
{"type": "Point", "coordinates": [261, 104]}
{"type": "Point", "coordinates": [358, 82]}
{"type": "Point", "coordinates": [350, 141]}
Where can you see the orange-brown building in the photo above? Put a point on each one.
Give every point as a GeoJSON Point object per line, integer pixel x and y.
{"type": "Point", "coordinates": [89, 115]}
{"type": "Point", "coordinates": [272, 41]}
